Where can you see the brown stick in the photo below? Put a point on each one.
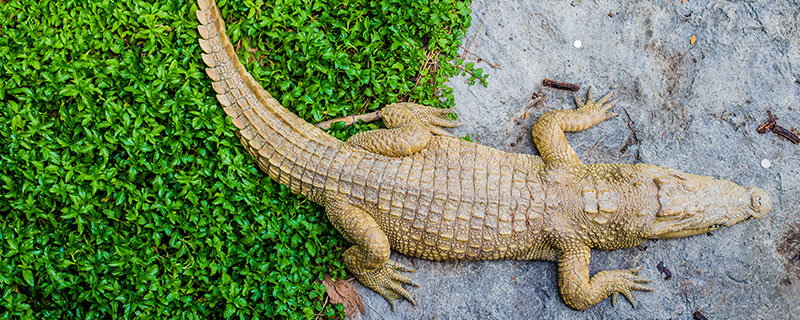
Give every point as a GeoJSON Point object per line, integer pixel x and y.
{"type": "Point", "coordinates": [535, 101]}
{"type": "Point", "coordinates": [766, 126]}
{"type": "Point", "coordinates": [480, 59]}
{"type": "Point", "coordinates": [595, 146]}
{"type": "Point", "coordinates": [560, 85]}
{"type": "Point", "coordinates": [350, 120]}
{"type": "Point", "coordinates": [786, 134]}
{"type": "Point", "coordinates": [469, 44]}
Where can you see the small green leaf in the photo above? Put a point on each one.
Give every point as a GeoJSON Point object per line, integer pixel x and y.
{"type": "Point", "coordinates": [28, 276]}
{"type": "Point", "coordinates": [311, 248]}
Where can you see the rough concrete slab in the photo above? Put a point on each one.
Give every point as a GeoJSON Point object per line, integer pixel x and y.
{"type": "Point", "coordinates": [691, 107]}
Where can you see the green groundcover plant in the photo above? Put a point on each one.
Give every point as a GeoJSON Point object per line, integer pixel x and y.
{"type": "Point", "coordinates": [124, 192]}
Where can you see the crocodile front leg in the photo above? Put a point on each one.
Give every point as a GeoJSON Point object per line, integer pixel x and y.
{"type": "Point", "coordinates": [410, 127]}
{"type": "Point", "coordinates": [368, 257]}
{"type": "Point", "coordinates": [580, 292]}
{"type": "Point", "coordinates": [548, 130]}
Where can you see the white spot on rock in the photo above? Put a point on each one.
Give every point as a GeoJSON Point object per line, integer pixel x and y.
{"type": "Point", "coordinates": [765, 163]}
{"type": "Point", "coordinates": [577, 44]}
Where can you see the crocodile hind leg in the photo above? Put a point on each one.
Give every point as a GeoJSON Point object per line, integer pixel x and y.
{"type": "Point", "coordinates": [548, 130]}
{"type": "Point", "coordinates": [409, 129]}
{"type": "Point", "coordinates": [580, 291]}
{"type": "Point", "coordinates": [368, 257]}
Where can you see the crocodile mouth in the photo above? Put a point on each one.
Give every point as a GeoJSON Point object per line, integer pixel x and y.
{"type": "Point", "coordinates": [675, 230]}
{"type": "Point", "coordinates": [710, 228]}
{"type": "Point", "coordinates": [722, 225]}
{"type": "Point", "coordinates": [718, 226]}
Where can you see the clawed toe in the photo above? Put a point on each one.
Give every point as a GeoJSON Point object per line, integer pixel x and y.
{"type": "Point", "coordinates": [608, 106]}
{"type": "Point", "coordinates": [630, 281]}
{"type": "Point", "coordinates": [402, 292]}
{"type": "Point", "coordinates": [436, 119]}
{"type": "Point", "coordinates": [445, 122]}
{"type": "Point", "coordinates": [602, 105]}
{"type": "Point", "coordinates": [605, 98]}
{"type": "Point", "coordinates": [444, 111]}
{"type": "Point", "coordinates": [399, 266]}
{"type": "Point", "coordinates": [628, 296]}
{"type": "Point", "coordinates": [433, 119]}
{"type": "Point", "coordinates": [404, 279]}
{"type": "Point", "coordinates": [388, 282]}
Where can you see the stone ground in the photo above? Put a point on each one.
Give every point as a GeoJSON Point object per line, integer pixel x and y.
{"type": "Point", "coordinates": [691, 107]}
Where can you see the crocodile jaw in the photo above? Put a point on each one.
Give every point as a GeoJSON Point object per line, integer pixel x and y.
{"type": "Point", "coordinates": [691, 204]}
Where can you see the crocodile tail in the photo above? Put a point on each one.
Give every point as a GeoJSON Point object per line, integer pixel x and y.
{"type": "Point", "coordinates": [275, 136]}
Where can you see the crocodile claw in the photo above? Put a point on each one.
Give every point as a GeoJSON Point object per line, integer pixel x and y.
{"type": "Point", "coordinates": [405, 114]}
{"type": "Point", "coordinates": [602, 105]}
{"type": "Point", "coordinates": [628, 281]}
{"type": "Point", "coordinates": [388, 282]}
{"type": "Point", "coordinates": [435, 119]}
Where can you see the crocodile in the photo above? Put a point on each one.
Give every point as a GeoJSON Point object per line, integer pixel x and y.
{"type": "Point", "coordinates": [415, 189]}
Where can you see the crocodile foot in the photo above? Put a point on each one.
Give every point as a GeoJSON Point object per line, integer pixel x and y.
{"type": "Point", "coordinates": [388, 281]}
{"type": "Point", "coordinates": [409, 129]}
{"type": "Point", "coordinates": [627, 280]}
{"type": "Point", "coordinates": [548, 130]}
{"type": "Point", "coordinates": [592, 107]}
{"type": "Point", "coordinates": [433, 119]}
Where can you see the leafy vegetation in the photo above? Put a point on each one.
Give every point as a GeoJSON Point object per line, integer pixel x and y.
{"type": "Point", "coordinates": [123, 189]}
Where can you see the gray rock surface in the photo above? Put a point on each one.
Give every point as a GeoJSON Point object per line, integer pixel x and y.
{"type": "Point", "coordinates": [691, 107]}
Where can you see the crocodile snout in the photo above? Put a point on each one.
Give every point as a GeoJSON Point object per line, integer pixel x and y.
{"type": "Point", "coordinates": [760, 203]}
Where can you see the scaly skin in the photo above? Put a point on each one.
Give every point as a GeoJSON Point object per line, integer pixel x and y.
{"type": "Point", "coordinates": [414, 189]}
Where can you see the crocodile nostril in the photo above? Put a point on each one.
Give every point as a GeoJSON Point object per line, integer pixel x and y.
{"type": "Point", "coordinates": [760, 203]}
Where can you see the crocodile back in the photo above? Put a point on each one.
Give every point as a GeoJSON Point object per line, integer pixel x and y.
{"type": "Point", "coordinates": [453, 200]}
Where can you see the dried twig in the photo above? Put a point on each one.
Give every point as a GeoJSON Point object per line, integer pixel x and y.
{"type": "Point", "coordinates": [786, 134]}
{"type": "Point", "coordinates": [469, 44]}
{"type": "Point", "coordinates": [560, 85]}
{"type": "Point", "coordinates": [628, 141]}
{"type": "Point", "coordinates": [462, 68]}
{"type": "Point", "coordinates": [595, 146]}
{"type": "Point", "coordinates": [771, 125]}
{"type": "Point", "coordinates": [766, 126]}
{"type": "Point", "coordinates": [320, 314]}
{"type": "Point", "coordinates": [535, 101]}
{"type": "Point", "coordinates": [431, 65]}
{"type": "Point", "coordinates": [480, 59]}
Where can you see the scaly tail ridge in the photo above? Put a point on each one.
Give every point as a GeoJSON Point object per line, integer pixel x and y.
{"type": "Point", "coordinates": [275, 136]}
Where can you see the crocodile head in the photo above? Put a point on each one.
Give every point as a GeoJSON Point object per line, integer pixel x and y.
{"type": "Point", "coordinates": [686, 204]}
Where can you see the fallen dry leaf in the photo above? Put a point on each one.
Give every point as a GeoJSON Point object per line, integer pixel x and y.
{"type": "Point", "coordinates": [692, 39]}
{"type": "Point", "coordinates": [341, 291]}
